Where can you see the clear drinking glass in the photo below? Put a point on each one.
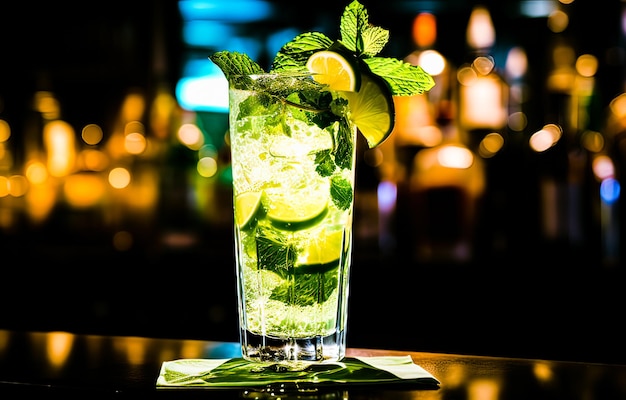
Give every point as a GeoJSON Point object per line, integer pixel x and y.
{"type": "Point", "coordinates": [293, 166]}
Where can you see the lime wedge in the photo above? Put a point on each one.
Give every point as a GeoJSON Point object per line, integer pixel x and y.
{"type": "Point", "coordinates": [299, 212]}
{"type": "Point", "coordinates": [321, 254]}
{"type": "Point", "coordinates": [372, 109]}
{"type": "Point", "coordinates": [335, 70]}
{"type": "Point", "coordinates": [247, 209]}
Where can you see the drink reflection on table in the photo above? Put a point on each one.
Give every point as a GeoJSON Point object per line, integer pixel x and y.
{"type": "Point", "coordinates": [131, 365]}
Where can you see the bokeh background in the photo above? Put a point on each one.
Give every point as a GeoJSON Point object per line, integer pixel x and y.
{"type": "Point", "coordinates": [490, 222]}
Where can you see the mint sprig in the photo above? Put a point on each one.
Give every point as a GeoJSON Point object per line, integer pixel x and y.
{"type": "Point", "coordinates": [359, 38]}
{"type": "Point", "coordinates": [363, 41]}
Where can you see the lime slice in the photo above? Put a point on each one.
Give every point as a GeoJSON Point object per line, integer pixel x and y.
{"type": "Point", "coordinates": [334, 70]}
{"type": "Point", "coordinates": [322, 254]}
{"type": "Point", "coordinates": [247, 209]}
{"type": "Point", "coordinates": [372, 109]}
{"type": "Point", "coordinates": [295, 213]}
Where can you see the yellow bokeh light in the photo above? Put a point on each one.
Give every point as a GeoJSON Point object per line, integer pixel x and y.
{"type": "Point", "coordinates": [425, 29]}
{"type": "Point", "coordinates": [47, 105]}
{"type": "Point", "coordinates": [119, 177]}
{"type": "Point", "coordinates": [518, 121]}
{"type": "Point", "coordinates": [484, 65]}
{"type": "Point", "coordinates": [134, 127]}
{"type": "Point", "coordinates": [592, 141]}
{"type": "Point", "coordinates": [135, 143]}
{"type": "Point", "coordinates": [18, 185]}
{"type": "Point", "coordinates": [84, 189]}
{"type": "Point", "coordinates": [4, 186]}
{"type": "Point", "coordinates": [545, 138]}
{"type": "Point", "coordinates": [5, 131]}
{"type": "Point", "coordinates": [587, 65]}
{"type": "Point", "coordinates": [144, 193]}
{"type": "Point", "coordinates": [207, 166]}
{"type": "Point", "coordinates": [191, 136]}
{"type": "Point", "coordinates": [94, 160]}
{"type": "Point", "coordinates": [6, 157]}
{"type": "Point", "coordinates": [452, 156]}
{"type": "Point", "coordinates": [466, 75]}
{"type": "Point", "coordinates": [490, 145]}
{"type": "Point", "coordinates": [91, 134]}
{"type": "Point", "coordinates": [618, 106]}
{"type": "Point", "coordinates": [603, 167]}
{"type": "Point", "coordinates": [543, 371]}
{"type": "Point", "coordinates": [36, 172]}
{"type": "Point", "coordinates": [432, 62]}
{"type": "Point", "coordinates": [516, 62]}
{"type": "Point", "coordinates": [558, 21]}
{"type": "Point", "coordinates": [161, 114]}
{"type": "Point", "coordinates": [60, 145]}
{"type": "Point", "coordinates": [133, 107]}
{"type": "Point", "coordinates": [40, 201]}
{"type": "Point", "coordinates": [480, 30]}
{"type": "Point", "coordinates": [58, 347]}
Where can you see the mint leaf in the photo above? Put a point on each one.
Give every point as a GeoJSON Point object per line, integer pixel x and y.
{"type": "Point", "coordinates": [325, 166]}
{"type": "Point", "coordinates": [294, 54]}
{"type": "Point", "coordinates": [345, 147]}
{"type": "Point", "coordinates": [274, 252]}
{"type": "Point", "coordinates": [354, 21]}
{"type": "Point", "coordinates": [341, 192]}
{"type": "Point", "coordinates": [234, 64]}
{"type": "Point", "coordinates": [374, 39]}
{"type": "Point", "coordinates": [307, 290]}
{"type": "Point", "coordinates": [403, 78]}
{"type": "Point", "coordinates": [257, 105]}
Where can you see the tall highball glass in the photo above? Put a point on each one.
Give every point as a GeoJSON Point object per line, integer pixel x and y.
{"type": "Point", "coordinates": [293, 167]}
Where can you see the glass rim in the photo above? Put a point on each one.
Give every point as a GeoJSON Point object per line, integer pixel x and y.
{"type": "Point", "coordinates": [277, 75]}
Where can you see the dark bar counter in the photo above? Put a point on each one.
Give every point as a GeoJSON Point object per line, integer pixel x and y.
{"type": "Point", "coordinates": [60, 364]}
{"type": "Point", "coordinates": [528, 307]}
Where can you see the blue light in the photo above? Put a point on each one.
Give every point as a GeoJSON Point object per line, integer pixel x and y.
{"type": "Point", "coordinates": [609, 190]}
{"type": "Point", "coordinates": [387, 196]}
{"type": "Point", "coordinates": [250, 46]}
{"type": "Point", "coordinates": [196, 67]}
{"type": "Point", "coordinates": [206, 33]}
{"type": "Point", "coordinates": [208, 93]}
{"type": "Point", "coordinates": [276, 40]}
{"type": "Point", "coordinates": [203, 86]}
{"type": "Point", "coordinates": [537, 8]}
{"type": "Point", "coordinates": [225, 10]}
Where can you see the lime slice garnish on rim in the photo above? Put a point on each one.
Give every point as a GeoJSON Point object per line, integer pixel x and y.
{"type": "Point", "coordinates": [372, 109]}
{"type": "Point", "coordinates": [299, 212]}
{"type": "Point", "coordinates": [321, 254]}
{"type": "Point", "coordinates": [247, 208]}
{"type": "Point", "coordinates": [369, 96]}
{"type": "Point", "coordinates": [334, 70]}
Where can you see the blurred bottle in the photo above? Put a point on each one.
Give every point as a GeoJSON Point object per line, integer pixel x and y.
{"type": "Point", "coordinates": [445, 188]}
{"type": "Point", "coordinates": [418, 126]}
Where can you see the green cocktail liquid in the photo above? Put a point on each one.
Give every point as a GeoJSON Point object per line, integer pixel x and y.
{"type": "Point", "coordinates": [293, 165]}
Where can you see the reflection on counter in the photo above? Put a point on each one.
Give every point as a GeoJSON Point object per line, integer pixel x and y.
{"type": "Point", "coordinates": [123, 366]}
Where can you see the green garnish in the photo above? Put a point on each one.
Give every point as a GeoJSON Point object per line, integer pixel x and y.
{"type": "Point", "coordinates": [359, 39]}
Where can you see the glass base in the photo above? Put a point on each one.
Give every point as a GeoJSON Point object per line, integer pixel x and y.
{"type": "Point", "coordinates": [272, 349]}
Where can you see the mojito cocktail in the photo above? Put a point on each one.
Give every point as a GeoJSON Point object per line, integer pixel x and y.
{"type": "Point", "coordinates": [293, 152]}
{"type": "Point", "coordinates": [293, 137]}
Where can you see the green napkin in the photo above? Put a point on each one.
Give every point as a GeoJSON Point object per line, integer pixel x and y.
{"type": "Point", "coordinates": [239, 373]}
